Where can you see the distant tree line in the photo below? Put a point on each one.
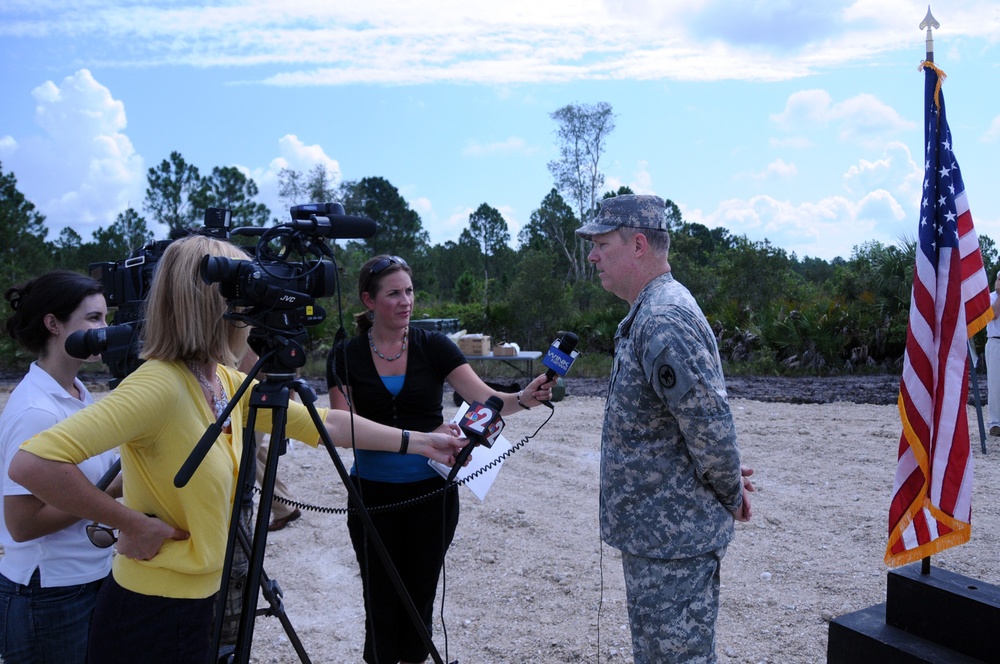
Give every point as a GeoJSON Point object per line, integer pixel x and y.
{"type": "Point", "coordinates": [772, 311]}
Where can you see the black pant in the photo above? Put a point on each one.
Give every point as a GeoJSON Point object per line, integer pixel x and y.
{"type": "Point", "coordinates": [417, 537]}
{"type": "Point", "coordinates": [130, 627]}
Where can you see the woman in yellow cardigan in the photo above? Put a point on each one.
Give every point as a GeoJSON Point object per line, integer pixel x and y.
{"type": "Point", "coordinates": [158, 603]}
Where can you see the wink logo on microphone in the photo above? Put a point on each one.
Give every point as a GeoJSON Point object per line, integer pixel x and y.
{"type": "Point", "coordinates": [561, 355]}
{"type": "Point", "coordinates": [558, 361]}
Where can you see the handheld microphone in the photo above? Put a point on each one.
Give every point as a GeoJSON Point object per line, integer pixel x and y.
{"type": "Point", "coordinates": [482, 425]}
{"type": "Point", "coordinates": [561, 355]}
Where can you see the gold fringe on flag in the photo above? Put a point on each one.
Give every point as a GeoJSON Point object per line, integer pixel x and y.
{"type": "Point", "coordinates": [940, 79]}
{"type": "Point", "coordinates": [960, 530]}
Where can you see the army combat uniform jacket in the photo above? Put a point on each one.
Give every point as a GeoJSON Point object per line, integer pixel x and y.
{"type": "Point", "coordinates": [670, 463]}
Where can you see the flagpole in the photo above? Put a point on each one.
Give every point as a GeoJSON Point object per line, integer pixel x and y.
{"type": "Point", "coordinates": [930, 23]}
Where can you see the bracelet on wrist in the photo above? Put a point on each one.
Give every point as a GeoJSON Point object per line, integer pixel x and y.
{"type": "Point", "coordinates": [405, 443]}
{"type": "Point", "coordinates": [520, 403]}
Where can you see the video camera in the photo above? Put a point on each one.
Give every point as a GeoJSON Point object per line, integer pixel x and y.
{"type": "Point", "coordinates": [277, 296]}
{"type": "Point", "coordinates": [126, 284]}
{"type": "Point", "coordinates": [272, 293]}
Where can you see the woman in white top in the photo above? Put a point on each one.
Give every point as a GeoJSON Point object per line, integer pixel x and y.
{"type": "Point", "coordinates": [50, 571]}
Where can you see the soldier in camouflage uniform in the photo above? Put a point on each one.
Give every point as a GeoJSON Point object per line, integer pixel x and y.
{"type": "Point", "coordinates": [671, 481]}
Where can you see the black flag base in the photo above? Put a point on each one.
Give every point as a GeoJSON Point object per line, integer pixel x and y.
{"type": "Point", "coordinates": [936, 617]}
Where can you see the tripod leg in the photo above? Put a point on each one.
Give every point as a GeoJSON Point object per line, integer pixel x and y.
{"type": "Point", "coordinates": [308, 399]}
{"type": "Point", "coordinates": [272, 395]}
{"type": "Point", "coordinates": [272, 593]}
{"type": "Point", "coordinates": [241, 496]}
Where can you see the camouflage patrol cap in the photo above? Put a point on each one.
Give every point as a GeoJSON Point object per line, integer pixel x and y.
{"type": "Point", "coordinates": [631, 210]}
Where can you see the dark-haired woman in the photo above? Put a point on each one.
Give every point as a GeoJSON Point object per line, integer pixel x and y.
{"type": "Point", "coordinates": [50, 572]}
{"type": "Point", "coordinates": [395, 375]}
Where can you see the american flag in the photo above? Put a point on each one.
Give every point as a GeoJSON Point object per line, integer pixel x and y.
{"type": "Point", "coordinates": [931, 506]}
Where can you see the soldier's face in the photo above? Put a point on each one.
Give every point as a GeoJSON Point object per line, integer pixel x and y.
{"type": "Point", "coordinates": [611, 256]}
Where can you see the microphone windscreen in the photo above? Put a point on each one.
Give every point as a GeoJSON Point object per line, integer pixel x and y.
{"type": "Point", "coordinates": [348, 227]}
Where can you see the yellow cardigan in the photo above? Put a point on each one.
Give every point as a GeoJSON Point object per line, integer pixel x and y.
{"type": "Point", "coordinates": [156, 417]}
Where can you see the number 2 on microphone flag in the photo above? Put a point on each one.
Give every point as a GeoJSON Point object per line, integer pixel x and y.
{"type": "Point", "coordinates": [482, 457]}
{"type": "Point", "coordinates": [931, 505]}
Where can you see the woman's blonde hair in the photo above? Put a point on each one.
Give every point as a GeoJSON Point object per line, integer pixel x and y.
{"type": "Point", "coordinates": [184, 315]}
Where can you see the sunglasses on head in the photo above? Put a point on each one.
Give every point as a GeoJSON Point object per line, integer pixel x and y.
{"type": "Point", "coordinates": [380, 266]}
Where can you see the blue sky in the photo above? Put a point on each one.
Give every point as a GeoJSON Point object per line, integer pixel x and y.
{"type": "Point", "coordinates": [798, 122]}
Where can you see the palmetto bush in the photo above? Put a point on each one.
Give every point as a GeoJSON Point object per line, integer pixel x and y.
{"type": "Point", "coordinates": [825, 335]}
{"type": "Point", "coordinates": [596, 328]}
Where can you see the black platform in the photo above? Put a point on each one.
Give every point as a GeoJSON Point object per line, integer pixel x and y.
{"type": "Point", "coordinates": [941, 617]}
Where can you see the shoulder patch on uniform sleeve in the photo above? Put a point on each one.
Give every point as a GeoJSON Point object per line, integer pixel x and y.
{"type": "Point", "coordinates": [668, 379]}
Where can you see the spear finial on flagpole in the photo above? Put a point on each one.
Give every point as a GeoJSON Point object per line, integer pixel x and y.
{"type": "Point", "coordinates": [929, 22]}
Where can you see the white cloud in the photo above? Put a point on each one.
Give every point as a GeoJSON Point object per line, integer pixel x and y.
{"type": "Point", "coordinates": [828, 228]}
{"type": "Point", "coordinates": [397, 42]}
{"type": "Point", "coordinates": [881, 193]}
{"type": "Point", "coordinates": [512, 145]}
{"type": "Point", "coordinates": [776, 169]}
{"type": "Point", "coordinates": [795, 142]}
{"type": "Point", "coordinates": [295, 155]}
{"type": "Point", "coordinates": [879, 206]}
{"type": "Point", "coordinates": [780, 24]}
{"type": "Point", "coordinates": [863, 117]}
{"type": "Point", "coordinates": [804, 109]}
{"type": "Point", "coordinates": [7, 145]}
{"type": "Point", "coordinates": [436, 229]}
{"type": "Point", "coordinates": [422, 205]}
{"type": "Point", "coordinates": [895, 171]}
{"type": "Point", "coordinates": [640, 182]}
{"type": "Point", "coordinates": [993, 133]}
{"type": "Point", "coordinates": [514, 224]}
{"type": "Point", "coordinates": [82, 171]}
{"type": "Point", "coordinates": [452, 226]}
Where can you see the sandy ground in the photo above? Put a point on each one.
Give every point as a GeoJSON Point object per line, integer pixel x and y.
{"type": "Point", "coordinates": [528, 580]}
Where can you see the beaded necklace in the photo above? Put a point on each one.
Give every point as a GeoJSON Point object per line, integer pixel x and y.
{"type": "Point", "coordinates": [220, 403]}
{"type": "Point", "coordinates": [402, 350]}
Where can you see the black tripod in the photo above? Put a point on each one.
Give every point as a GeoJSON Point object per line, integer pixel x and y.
{"type": "Point", "coordinates": [271, 592]}
{"type": "Point", "coordinates": [278, 363]}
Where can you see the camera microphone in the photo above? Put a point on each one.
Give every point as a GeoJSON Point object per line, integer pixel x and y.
{"type": "Point", "coordinates": [329, 220]}
{"type": "Point", "coordinates": [482, 425]}
{"type": "Point", "coordinates": [342, 227]}
{"type": "Point", "coordinates": [561, 355]}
